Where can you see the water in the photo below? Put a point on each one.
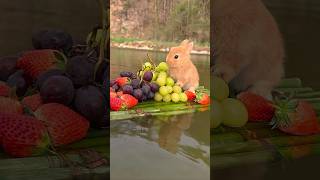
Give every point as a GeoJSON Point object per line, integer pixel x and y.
{"type": "Point", "coordinates": [176, 147]}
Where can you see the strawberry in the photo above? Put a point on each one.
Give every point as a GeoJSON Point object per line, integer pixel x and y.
{"type": "Point", "coordinates": [64, 125]}
{"type": "Point", "coordinates": [202, 98]}
{"type": "Point", "coordinates": [8, 105]}
{"type": "Point", "coordinates": [259, 108]}
{"type": "Point", "coordinates": [32, 102]}
{"type": "Point", "coordinates": [37, 61]}
{"type": "Point", "coordinates": [116, 103]}
{"type": "Point", "coordinates": [4, 89]}
{"type": "Point", "coordinates": [121, 81]}
{"type": "Point", "coordinates": [191, 95]}
{"type": "Point", "coordinates": [296, 118]}
{"type": "Point", "coordinates": [129, 101]}
{"type": "Point", "coordinates": [22, 136]}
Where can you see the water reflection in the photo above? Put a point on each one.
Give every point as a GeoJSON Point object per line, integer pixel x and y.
{"type": "Point", "coordinates": [169, 133]}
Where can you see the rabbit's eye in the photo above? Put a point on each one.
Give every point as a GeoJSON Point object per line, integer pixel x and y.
{"type": "Point", "coordinates": [176, 56]}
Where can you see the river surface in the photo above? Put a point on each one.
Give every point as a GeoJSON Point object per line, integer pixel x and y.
{"type": "Point", "coordinates": [175, 147]}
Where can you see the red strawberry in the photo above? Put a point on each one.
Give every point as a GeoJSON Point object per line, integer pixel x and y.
{"type": "Point", "coordinates": [297, 118]}
{"type": "Point", "coordinates": [191, 95]}
{"type": "Point", "coordinates": [37, 61]}
{"type": "Point", "coordinates": [32, 102]}
{"type": "Point", "coordinates": [116, 103]}
{"type": "Point", "coordinates": [22, 136]}
{"type": "Point", "coordinates": [4, 89]}
{"type": "Point", "coordinates": [121, 81]}
{"type": "Point", "coordinates": [8, 105]}
{"type": "Point", "coordinates": [259, 108]}
{"type": "Point", "coordinates": [202, 98]}
{"type": "Point", "coordinates": [64, 125]}
{"type": "Point", "coordinates": [129, 101]}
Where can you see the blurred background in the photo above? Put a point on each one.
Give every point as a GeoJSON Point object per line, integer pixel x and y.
{"type": "Point", "coordinates": [160, 22]}
{"type": "Point", "coordinates": [299, 22]}
{"type": "Point", "coordinates": [19, 19]}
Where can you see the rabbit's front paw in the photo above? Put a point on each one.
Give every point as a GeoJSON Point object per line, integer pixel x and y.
{"type": "Point", "coordinates": [262, 88]}
{"type": "Point", "coordinates": [224, 72]}
{"type": "Point", "coordinates": [179, 83]}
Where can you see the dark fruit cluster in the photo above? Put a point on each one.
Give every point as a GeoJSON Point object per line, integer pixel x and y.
{"type": "Point", "coordinates": [52, 39]}
{"type": "Point", "coordinates": [141, 89]}
{"type": "Point", "coordinates": [73, 84]}
{"type": "Point", "coordinates": [80, 70]}
{"type": "Point", "coordinates": [7, 67]}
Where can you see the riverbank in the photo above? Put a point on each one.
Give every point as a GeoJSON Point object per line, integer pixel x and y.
{"type": "Point", "coordinates": [154, 45]}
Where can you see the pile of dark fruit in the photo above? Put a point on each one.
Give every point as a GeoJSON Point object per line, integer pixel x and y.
{"type": "Point", "coordinates": [128, 83]}
{"type": "Point", "coordinates": [56, 89]}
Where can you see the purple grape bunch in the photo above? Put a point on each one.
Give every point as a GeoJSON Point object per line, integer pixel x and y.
{"type": "Point", "coordinates": [142, 89]}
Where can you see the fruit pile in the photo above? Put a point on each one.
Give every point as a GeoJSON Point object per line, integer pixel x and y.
{"type": "Point", "coordinates": [51, 95]}
{"type": "Point", "coordinates": [289, 115]}
{"type": "Point", "coordinates": [151, 82]}
{"type": "Point", "coordinates": [228, 111]}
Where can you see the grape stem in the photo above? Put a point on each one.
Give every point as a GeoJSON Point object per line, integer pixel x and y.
{"type": "Point", "coordinates": [150, 59]}
{"type": "Point", "coordinates": [103, 42]}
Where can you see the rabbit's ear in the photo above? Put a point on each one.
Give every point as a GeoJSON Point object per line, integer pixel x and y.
{"type": "Point", "coordinates": [189, 46]}
{"type": "Point", "coordinates": [184, 42]}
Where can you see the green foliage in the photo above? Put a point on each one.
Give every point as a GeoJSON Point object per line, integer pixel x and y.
{"type": "Point", "coordinates": [165, 20]}
{"type": "Point", "coordinates": [188, 19]}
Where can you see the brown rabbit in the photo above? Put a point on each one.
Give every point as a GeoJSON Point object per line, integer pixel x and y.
{"type": "Point", "coordinates": [248, 48]}
{"type": "Point", "coordinates": [181, 67]}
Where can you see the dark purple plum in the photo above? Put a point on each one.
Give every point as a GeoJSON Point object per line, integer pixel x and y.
{"type": "Point", "coordinates": [7, 67]}
{"type": "Point", "coordinates": [150, 95]}
{"type": "Point", "coordinates": [44, 76]}
{"type": "Point", "coordinates": [126, 74]}
{"type": "Point", "coordinates": [145, 89]}
{"type": "Point", "coordinates": [115, 87]}
{"type": "Point", "coordinates": [89, 101]}
{"type": "Point", "coordinates": [18, 81]}
{"type": "Point", "coordinates": [127, 89]}
{"type": "Point", "coordinates": [58, 89]}
{"type": "Point", "coordinates": [144, 97]}
{"type": "Point", "coordinates": [147, 76]}
{"type": "Point", "coordinates": [135, 83]}
{"type": "Point", "coordinates": [80, 70]}
{"type": "Point", "coordinates": [52, 39]}
{"type": "Point", "coordinates": [137, 93]}
{"type": "Point", "coordinates": [154, 87]}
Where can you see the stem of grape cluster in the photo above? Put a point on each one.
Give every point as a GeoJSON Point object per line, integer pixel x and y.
{"type": "Point", "coordinates": [103, 42]}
